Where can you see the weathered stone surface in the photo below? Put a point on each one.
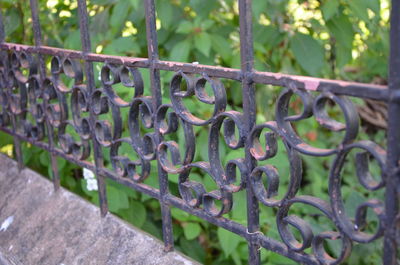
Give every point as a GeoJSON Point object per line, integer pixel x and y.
{"type": "Point", "coordinates": [40, 226]}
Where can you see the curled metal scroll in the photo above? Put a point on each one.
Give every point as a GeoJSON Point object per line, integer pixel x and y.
{"type": "Point", "coordinates": [136, 131]}
{"type": "Point", "coordinates": [316, 107]}
{"type": "Point", "coordinates": [308, 239]}
{"type": "Point", "coordinates": [196, 86]}
{"type": "Point", "coordinates": [140, 117]}
{"type": "Point", "coordinates": [268, 195]}
{"type": "Point", "coordinates": [354, 229]}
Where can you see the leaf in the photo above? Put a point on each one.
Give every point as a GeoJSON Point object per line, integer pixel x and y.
{"type": "Point", "coordinates": [44, 159]}
{"type": "Point", "coordinates": [191, 230]}
{"type": "Point", "coordinates": [203, 8]}
{"type": "Point", "coordinates": [179, 215]}
{"type": "Point", "coordinates": [119, 14]}
{"type": "Point", "coordinates": [12, 21]}
{"type": "Point", "coordinates": [374, 5]}
{"type": "Point", "coordinates": [193, 249]}
{"type": "Point", "coordinates": [103, 2]}
{"type": "Point", "coordinates": [352, 202]}
{"type": "Point", "coordinates": [73, 41]}
{"type": "Point", "coordinates": [207, 24]}
{"type": "Point", "coordinates": [308, 52]}
{"type": "Point", "coordinates": [152, 229]}
{"type": "Point", "coordinates": [221, 46]}
{"type": "Point", "coordinates": [83, 184]}
{"type": "Point", "coordinates": [26, 152]}
{"type": "Point", "coordinates": [135, 4]}
{"type": "Point", "coordinates": [239, 209]}
{"type": "Point", "coordinates": [184, 27]}
{"type": "Point", "coordinates": [343, 54]}
{"type": "Point", "coordinates": [342, 30]}
{"type": "Point", "coordinates": [61, 163]}
{"type": "Point", "coordinates": [137, 215]}
{"type": "Point", "coordinates": [329, 9]}
{"type": "Point", "coordinates": [180, 52]}
{"type": "Point", "coordinates": [122, 45]}
{"type": "Point", "coordinates": [202, 42]}
{"type": "Point", "coordinates": [70, 182]}
{"type": "Point", "coordinates": [228, 240]}
{"type": "Point", "coordinates": [203, 149]}
{"type": "Point", "coordinates": [116, 199]}
{"type": "Point", "coordinates": [100, 22]}
{"type": "Point", "coordinates": [166, 13]}
{"type": "Point", "coordinates": [236, 258]}
{"type": "Point", "coordinates": [275, 258]}
{"type": "Point", "coordinates": [359, 8]}
{"type": "Point", "coordinates": [259, 7]}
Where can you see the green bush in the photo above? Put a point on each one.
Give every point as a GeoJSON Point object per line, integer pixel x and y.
{"type": "Point", "coordinates": [339, 39]}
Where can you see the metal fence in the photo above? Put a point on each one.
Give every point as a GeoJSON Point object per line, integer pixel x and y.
{"type": "Point", "coordinates": [37, 107]}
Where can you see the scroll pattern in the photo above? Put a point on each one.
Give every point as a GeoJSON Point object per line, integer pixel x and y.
{"type": "Point", "coordinates": [62, 99]}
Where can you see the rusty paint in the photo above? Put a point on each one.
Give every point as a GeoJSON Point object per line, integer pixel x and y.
{"type": "Point", "coordinates": [151, 113]}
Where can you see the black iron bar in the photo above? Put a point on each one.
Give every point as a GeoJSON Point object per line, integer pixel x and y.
{"type": "Point", "coordinates": [2, 29]}
{"type": "Point", "coordinates": [228, 224]}
{"type": "Point", "coordinates": [161, 119]}
{"type": "Point", "coordinates": [152, 48]}
{"type": "Point", "coordinates": [355, 89]}
{"type": "Point", "coordinates": [392, 195]}
{"type": "Point", "coordinates": [17, 143]}
{"type": "Point", "coordinates": [37, 33]}
{"type": "Point", "coordinates": [91, 86]}
{"type": "Point", "coordinates": [249, 109]}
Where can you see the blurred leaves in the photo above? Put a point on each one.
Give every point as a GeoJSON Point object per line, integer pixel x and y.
{"type": "Point", "coordinates": [308, 52]}
{"type": "Point", "coordinates": [229, 241]}
{"type": "Point", "coordinates": [322, 38]}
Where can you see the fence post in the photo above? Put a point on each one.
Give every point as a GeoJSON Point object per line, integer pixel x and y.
{"type": "Point", "coordinates": [98, 155]}
{"type": "Point", "coordinates": [152, 48]}
{"type": "Point", "coordinates": [393, 143]}
{"type": "Point", "coordinates": [42, 75]}
{"type": "Point", "coordinates": [249, 109]}
{"type": "Point", "coordinates": [17, 143]}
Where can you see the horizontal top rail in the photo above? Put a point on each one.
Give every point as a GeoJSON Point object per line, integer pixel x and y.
{"type": "Point", "coordinates": [363, 90]}
{"type": "Point", "coordinates": [50, 99]}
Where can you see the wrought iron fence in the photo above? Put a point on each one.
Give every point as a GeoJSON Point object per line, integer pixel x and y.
{"type": "Point", "coordinates": [38, 107]}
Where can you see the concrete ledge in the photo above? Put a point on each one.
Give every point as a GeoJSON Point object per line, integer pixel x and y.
{"type": "Point", "coordinates": [40, 226]}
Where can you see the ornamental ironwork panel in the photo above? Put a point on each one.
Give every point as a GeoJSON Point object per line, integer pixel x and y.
{"type": "Point", "coordinates": [42, 105]}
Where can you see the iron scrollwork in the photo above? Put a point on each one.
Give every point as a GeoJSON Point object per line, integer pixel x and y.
{"type": "Point", "coordinates": [49, 98]}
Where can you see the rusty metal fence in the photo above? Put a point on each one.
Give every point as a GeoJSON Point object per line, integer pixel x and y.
{"type": "Point", "coordinates": [37, 107]}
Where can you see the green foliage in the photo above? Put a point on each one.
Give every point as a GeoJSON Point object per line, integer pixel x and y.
{"type": "Point", "coordinates": [229, 241]}
{"type": "Point", "coordinates": [346, 39]}
{"type": "Point", "coordinates": [308, 52]}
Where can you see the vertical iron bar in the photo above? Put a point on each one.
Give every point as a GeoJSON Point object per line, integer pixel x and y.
{"type": "Point", "coordinates": [42, 75]}
{"type": "Point", "coordinates": [152, 47]}
{"type": "Point", "coordinates": [2, 31]}
{"type": "Point", "coordinates": [393, 142]}
{"type": "Point", "coordinates": [249, 108]}
{"type": "Point", "coordinates": [91, 86]}
{"type": "Point", "coordinates": [17, 143]}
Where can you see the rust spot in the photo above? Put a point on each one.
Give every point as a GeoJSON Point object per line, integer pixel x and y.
{"type": "Point", "coordinates": [378, 210]}
{"type": "Point", "coordinates": [380, 151]}
{"type": "Point", "coordinates": [310, 83]}
{"type": "Point", "coordinates": [309, 148]}
{"type": "Point", "coordinates": [312, 136]}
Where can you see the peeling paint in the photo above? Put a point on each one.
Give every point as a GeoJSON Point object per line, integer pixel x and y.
{"type": "Point", "coordinates": [185, 262]}
{"type": "Point", "coordinates": [7, 223]}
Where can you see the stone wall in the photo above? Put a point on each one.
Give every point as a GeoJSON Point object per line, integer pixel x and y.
{"type": "Point", "coordinates": [40, 226]}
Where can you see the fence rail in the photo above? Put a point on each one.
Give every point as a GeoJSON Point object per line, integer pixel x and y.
{"type": "Point", "coordinates": [39, 108]}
